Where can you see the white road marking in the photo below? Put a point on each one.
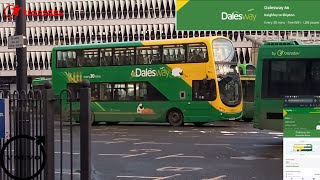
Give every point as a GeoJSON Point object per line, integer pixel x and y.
{"type": "Point", "coordinates": [113, 155]}
{"type": "Point", "coordinates": [276, 133]}
{"type": "Point", "coordinates": [228, 134]}
{"type": "Point", "coordinates": [74, 153]}
{"type": "Point", "coordinates": [123, 155]}
{"type": "Point", "coordinates": [75, 173]}
{"type": "Point", "coordinates": [178, 156]}
{"type": "Point", "coordinates": [216, 178]}
{"type": "Point", "coordinates": [114, 142]}
{"type": "Point", "coordinates": [212, 144]}
{"type": "Point", "coordinates": [250, 158]}
{"type": "Point", "coordinates": [125, 139]}
{"type": "Point", "coordinates": [159, 143]}
{"type": "Point", "coordinates": [145, 150]}
{"type": "Point", "coordinates": [134, 155]}
{"type": "Point", "coordinates": [149, 177]}
{"type": "Point", "coordinates": [178, 131]}
{"type": "Point", "coordinates": [267, 145]}
{"type": "Point", "coordinates": [179, 169]}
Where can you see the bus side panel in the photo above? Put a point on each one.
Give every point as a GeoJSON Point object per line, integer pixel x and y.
{"type": "Point", "coordinates": [269, 115]}
{"type": "Point", "coordinates": [200, 111]}
{"type": "Point", "coordinates": [129, 111]}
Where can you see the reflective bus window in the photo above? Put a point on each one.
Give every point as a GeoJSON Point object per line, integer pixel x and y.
{"type": "Point", "coordinates": [106, 57]}
{"type": "Point", "coordinates": [88, 58]}
{"type": "Point", "coordinates": [251, 70]}
{"type": "Point", "coordinates": [286, 78]}
{"type": "Point", "coordinates": [174, 53]}
{"type": "Point", "coordinates": [223, 51]}
{"type": "Point", "coordinates": [203, 90]}
{"type": "Point", "coordinates": [74, 88]}
{"type": "Point", "coordinates": [95, 91]}
{"type": "Point", "coordinates": [141, 91]}
{"type": "Point", "coordinates": [124, 56]}
{"type": "Point", "coordinates": [105, 92]}
{"type": "Point", "coordinates": [66, 59]}
{"type": "Point", "coordinates": [197, 53]}
{"type": "Point", "coordinates": [248, 90]}
{"type": "Point", "coordinates": [148, 55]}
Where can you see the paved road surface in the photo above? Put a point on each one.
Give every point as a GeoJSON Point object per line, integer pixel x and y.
{"type": "Point", "coordinates": [224, 150]}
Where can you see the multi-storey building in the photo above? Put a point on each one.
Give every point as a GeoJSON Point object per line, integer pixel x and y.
{"type": "Point", "coordinates": [95, 21]}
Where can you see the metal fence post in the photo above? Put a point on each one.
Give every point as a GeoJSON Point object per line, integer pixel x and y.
{"type": "Point", "coordinates": [48, 128]}
{"type": "Point", "coordinates": [85, 134]}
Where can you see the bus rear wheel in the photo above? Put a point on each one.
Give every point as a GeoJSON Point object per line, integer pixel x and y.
{"type": "Point", "coordinates": [175, 117]}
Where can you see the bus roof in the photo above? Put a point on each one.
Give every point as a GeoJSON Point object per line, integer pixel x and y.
{"type": "Point", "coordinates": [276, 44]}
{"type": "Point", "coordinates": [136, 43]}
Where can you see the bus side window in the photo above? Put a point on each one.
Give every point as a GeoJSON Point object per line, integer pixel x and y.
{"type": "Point", "coordinates": [174, 53]}
{"type": "Point", "coordinates": [197, 53]}
{"type": "Point", "coordinates": [204, 90]}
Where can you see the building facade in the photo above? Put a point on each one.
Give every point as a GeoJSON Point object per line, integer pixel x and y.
{"type": "Point", "coordinates": [96, 21]}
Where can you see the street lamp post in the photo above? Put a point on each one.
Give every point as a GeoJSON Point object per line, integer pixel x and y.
{"type": "Point", "coordinates": [22, 148]}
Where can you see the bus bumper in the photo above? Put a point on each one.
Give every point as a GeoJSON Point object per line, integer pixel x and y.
{"type": "Point", "coordinates": [231, 116]}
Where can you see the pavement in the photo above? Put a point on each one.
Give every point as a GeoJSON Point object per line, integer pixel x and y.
{"type": "Point", "coordinates": [228, 150]}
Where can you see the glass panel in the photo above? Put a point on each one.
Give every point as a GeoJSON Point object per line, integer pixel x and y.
{"type": "Point", "coordinates": [174, 53]}
{"type": "Point", "coordinates": [88, 58]}
{"type": "Point", "coordinates": [141, 91]}
{"type": "Point", "coordinates": [148, 55]}
{"type": "Point", "coordinates": [105, 92]}
{"type": "Point", "coordinates": [287, 78]}
{"type": "Point", "coordinates": [197, 53]}
{"type": "Point", "coordinates": [204, 90]}
{"type": "Point", "coordinates": [124, 56]}
{"type": "Point", "coordinates": [251, 70]}
{"type": "Point", "coordinates": [106, 57]}
{"type": "Point", "coordinates": [223, 50]}
{"type": "Point", "coordinates": [66, 59]}
{"type": "Point", "coordinates": [248, 90]}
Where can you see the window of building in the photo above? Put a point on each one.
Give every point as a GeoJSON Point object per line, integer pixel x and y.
{"type": "Point", "coordinates": [204, 90]}
{"type": "Point", "coordinates": [197, 53]}
{"type": "Point", "coordinates": [174, 53]}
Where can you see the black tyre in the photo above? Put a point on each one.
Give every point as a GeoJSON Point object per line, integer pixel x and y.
{"type": "Point", "coordinates": [175, 117]}
{"type": "Point", "coordinates": [198, 124]}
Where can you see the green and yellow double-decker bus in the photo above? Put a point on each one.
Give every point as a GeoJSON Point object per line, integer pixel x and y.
{"type": "Point", "coordinates": [283, 68]}
{"type": "Point", "coordinates": [177, 81]}
{"type": "Point", "coordinates": [247, 76]}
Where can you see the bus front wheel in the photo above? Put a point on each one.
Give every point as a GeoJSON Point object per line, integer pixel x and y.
{"type": "Point", "coordinates": [175, 117]}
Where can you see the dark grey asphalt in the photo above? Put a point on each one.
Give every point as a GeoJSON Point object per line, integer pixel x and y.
{"type": "Point", "coordinates": [223, 150]}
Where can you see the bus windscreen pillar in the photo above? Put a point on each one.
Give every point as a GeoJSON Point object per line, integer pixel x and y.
{"type": "Point", "coordinates": [301, 140]}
